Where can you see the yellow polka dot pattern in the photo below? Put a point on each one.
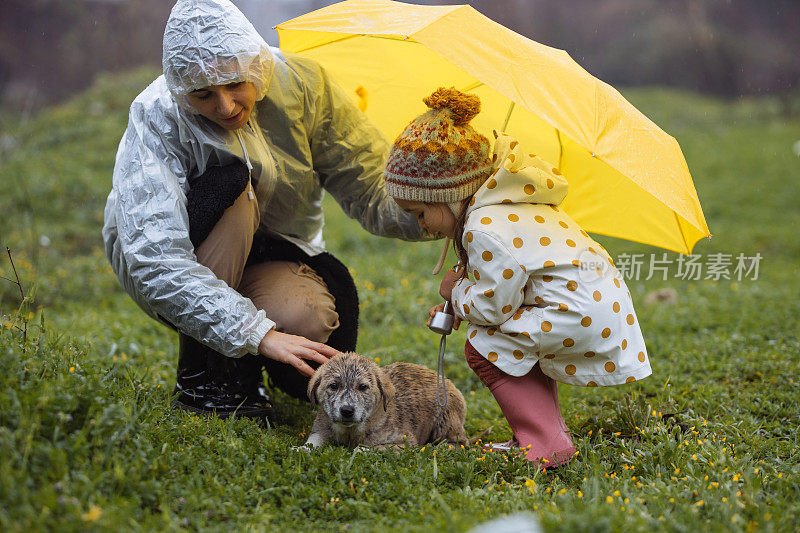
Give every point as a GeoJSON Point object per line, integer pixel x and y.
{"type": "Point", "coordinates": [556, 339]}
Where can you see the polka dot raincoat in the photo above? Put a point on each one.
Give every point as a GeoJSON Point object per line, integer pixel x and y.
{"type": "Point", "coordinates": [539, 288]}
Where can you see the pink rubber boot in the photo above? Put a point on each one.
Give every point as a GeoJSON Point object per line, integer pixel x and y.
{"type": "Point", "coordinates": [530, 404]}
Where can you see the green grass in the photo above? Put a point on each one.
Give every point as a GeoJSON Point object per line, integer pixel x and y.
{"type": "Point", "coordinates": [87, 437]}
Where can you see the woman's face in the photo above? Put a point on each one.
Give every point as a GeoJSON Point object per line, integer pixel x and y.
{"type": "Point", "coordinates": [227, 105]}
{"type": "Point", "coordinates": [435, 218]}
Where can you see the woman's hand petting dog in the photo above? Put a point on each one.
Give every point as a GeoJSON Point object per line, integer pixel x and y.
{"type": "Point", "coordinates": [293, 349]}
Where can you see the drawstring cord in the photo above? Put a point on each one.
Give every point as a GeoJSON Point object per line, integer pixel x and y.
{"type": "Point", "coordinates": [249, 166]}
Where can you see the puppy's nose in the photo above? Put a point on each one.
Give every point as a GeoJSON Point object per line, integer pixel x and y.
{"type": "Point", "coordinates": [347, 411]}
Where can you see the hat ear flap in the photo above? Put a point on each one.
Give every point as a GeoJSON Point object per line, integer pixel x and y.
{"type": "Point", "coordinates": [386, 388]}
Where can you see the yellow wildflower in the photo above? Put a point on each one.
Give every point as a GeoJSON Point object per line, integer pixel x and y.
{"type": "Point", "coordinates": [92, 514]}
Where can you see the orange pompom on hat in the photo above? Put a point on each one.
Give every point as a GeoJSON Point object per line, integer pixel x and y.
{"type": "Point", "coordinates": [439, 157]}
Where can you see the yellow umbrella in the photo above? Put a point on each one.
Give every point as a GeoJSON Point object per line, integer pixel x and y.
{"type": "Point", "coordinates": [627, 177]}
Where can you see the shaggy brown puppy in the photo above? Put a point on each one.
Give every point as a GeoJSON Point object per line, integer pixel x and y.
{"type": "Point", "coordinates": [365, 405]}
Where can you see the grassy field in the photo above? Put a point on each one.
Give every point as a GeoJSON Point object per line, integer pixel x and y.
{"type": "Point", "coordinates": [87, 438]}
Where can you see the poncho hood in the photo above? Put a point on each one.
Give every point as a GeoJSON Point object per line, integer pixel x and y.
{"type": "Point", "coordinates": [211, 42]}
{"type": "Point", "coordinates": [519, 178]}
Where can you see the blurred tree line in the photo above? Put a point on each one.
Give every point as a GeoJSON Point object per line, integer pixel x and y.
{"type": "Point", "coordinates": [52, 48]}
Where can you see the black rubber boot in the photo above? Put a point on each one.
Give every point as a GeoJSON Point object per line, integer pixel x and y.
{"type": "Point", "coordinates": [211, 384]}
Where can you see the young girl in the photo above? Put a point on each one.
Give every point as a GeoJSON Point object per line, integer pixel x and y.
{"type": "Point", "coordinates": [543, 300]}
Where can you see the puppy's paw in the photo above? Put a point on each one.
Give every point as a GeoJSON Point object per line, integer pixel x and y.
{"type": "Point", "coordinates": [304, 448]}
{"type": "Point", "coordinates": [315, 440]}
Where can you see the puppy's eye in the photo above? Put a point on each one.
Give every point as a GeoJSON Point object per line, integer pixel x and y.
{"type": "Point", "coordinates": [363, 387]}
{"type": "Point", "coordinates": [333, 386]}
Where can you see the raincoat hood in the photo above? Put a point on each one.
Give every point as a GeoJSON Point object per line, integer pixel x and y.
{"type": "Point", "coordinates": [519, 178]}
{"type": "Point", "coordinates": [211, 42]}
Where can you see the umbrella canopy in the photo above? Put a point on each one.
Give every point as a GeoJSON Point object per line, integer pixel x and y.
{"type": "Point", "coordinates": [627, 177]}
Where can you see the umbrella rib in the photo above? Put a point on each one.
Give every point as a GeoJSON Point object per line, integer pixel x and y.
{"type": "Point", "coordinates": [345, 38]}
{"type": "Point", "coordinates": [680, 230]}
{"type": "Point", "coordinates": [560, 147]}
{"type": "Point", "coordinates": [508, 116]}
{"type": "Point", "coordinates": [475, 85]}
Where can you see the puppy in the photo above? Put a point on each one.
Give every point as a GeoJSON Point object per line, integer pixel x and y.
{"type": "Point", "coordinates": [364, 405]}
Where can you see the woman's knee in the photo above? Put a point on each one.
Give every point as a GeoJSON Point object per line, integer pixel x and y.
{"type": "Point", "coordinates": [293, 296]}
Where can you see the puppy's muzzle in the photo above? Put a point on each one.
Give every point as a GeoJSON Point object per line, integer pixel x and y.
{"type": "Point", "coordinates": [347, 412]}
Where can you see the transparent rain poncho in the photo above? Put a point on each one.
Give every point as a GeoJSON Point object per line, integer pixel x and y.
{"type": "Point", "coordinates": [304, 137]}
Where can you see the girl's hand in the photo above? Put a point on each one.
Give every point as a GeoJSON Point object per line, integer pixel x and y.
{"type": "Point", "coordinates": [440, 308]}
{"type": "Point", "coordinates": [449, 281]}
{"type": "Point", "coordinates": [292, 349]}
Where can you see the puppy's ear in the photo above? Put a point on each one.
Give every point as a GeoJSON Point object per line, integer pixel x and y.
{"type": "Point", "coordinates": [313, 387]}
{"type": "Point", "coordinates": [386, 388]}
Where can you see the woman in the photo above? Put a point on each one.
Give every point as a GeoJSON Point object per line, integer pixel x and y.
{"type": "Point", "coordinates": [214, 222]}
